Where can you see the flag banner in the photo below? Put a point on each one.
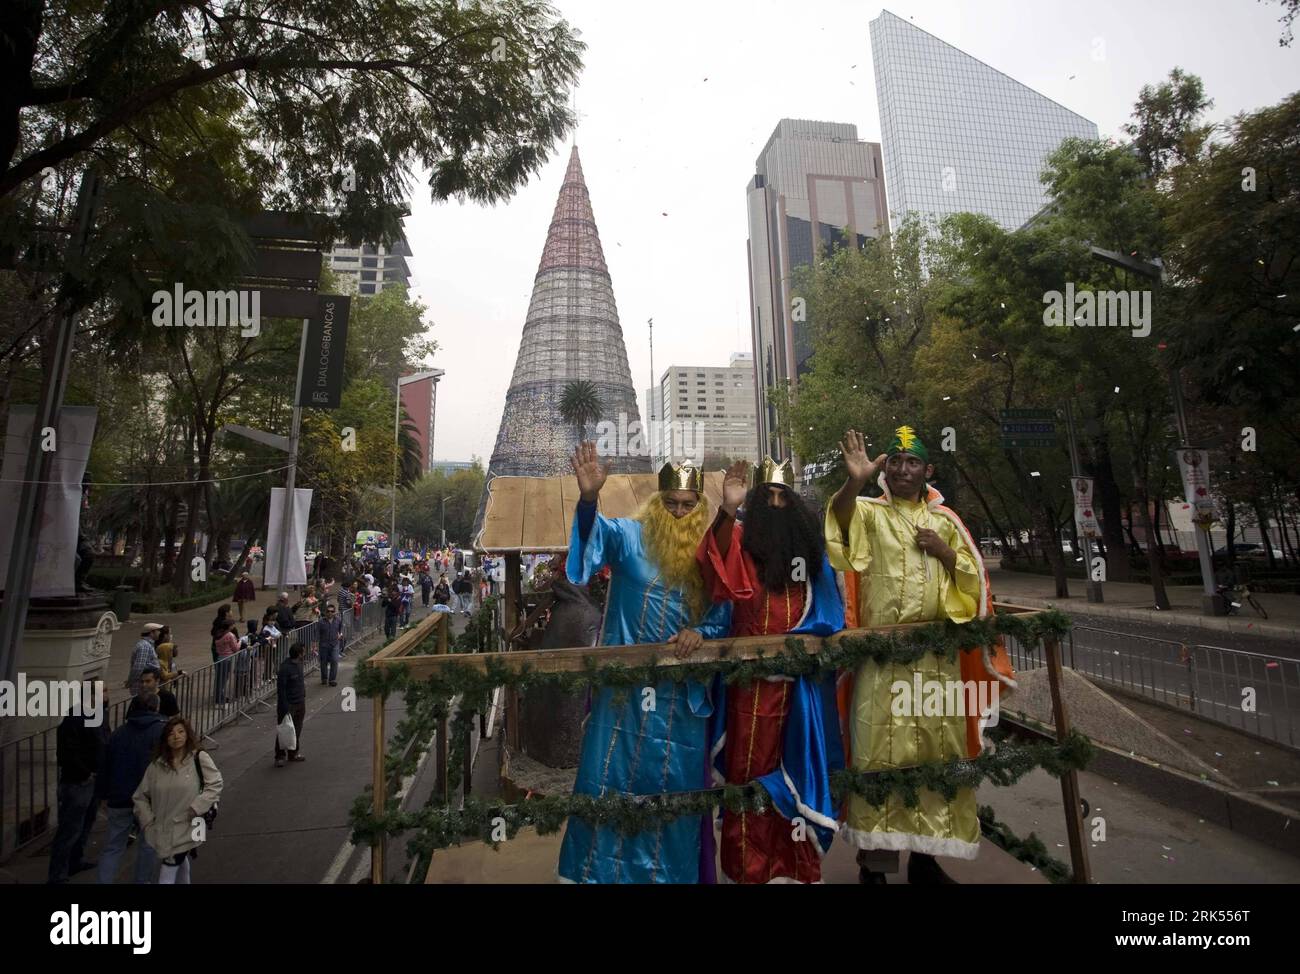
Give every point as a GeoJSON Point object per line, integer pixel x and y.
{"type": "Point", "coordinates": [321, 381]}
{"type": "Point", "coordinates": [1194, 466]}
{"type": "Point", "coordinates": [1084, 515]}
{"type": "Point", "coordinates": [295, 566]}
{"type": "Point", "coordinates": [56, 546]}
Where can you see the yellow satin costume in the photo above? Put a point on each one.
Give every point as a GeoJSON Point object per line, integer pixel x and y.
{"type": "Point", "coordinates": [897, 583]}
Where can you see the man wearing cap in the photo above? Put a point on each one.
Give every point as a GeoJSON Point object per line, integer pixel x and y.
{"type": "Point", "coordinates": [915, 562]}
{"type": "Point", "coordinates": [284, 620]}
{"type": "Point", "coordinates": [652, 739]}
{"type": "Point", "coordinates": [144, 655]}
{"type": "Point", "coordinates": [781, 731]}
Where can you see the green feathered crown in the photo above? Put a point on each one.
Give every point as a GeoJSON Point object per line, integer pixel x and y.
{"type": "Point", "coordinates": [906, 441]}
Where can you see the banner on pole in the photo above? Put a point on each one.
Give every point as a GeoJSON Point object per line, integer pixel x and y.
{"type": "Point", "coordinates": [1084, 515]}
{"type": "Point", "coordinates": [321, 381]}
{"type": "Point", "coordinates": [54, 571]}
{"type": "Point", "coordinates": [1194, 466]}
{"type": "Point", "coordinates": [295, 566]}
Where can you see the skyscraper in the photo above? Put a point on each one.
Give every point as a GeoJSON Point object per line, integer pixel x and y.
{"type": "Point", "coordinates": [571, 333]}
{"type": "Point", "coordinates": [958, 135]}
{"type": "Point", "coordinates": [368, 268]}
{"type": "Point", "coordinates": [812, 181]}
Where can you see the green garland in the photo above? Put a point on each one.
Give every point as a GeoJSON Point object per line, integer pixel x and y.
{"type": "Point", "coordinates": [943, 638]}
{"type": "Point", "coordinates": [1004, 766]}
{"type": "Point", "coordinates": [427, 703]}
{"type": "Point", "coordinates": [439, 826]}
{"type": "Point", "coordinates": [1030, 851]}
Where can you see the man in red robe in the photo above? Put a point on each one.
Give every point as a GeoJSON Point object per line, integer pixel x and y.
{"type": "Point", "coordinates": [766, 568]}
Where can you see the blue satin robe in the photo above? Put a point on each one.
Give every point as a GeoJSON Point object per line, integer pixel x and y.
{"type": "Point", "coordinates": [627, 748]}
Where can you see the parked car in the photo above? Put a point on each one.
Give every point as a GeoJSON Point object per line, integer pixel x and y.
{"type": "Point", "coordinates": [1253, 550]}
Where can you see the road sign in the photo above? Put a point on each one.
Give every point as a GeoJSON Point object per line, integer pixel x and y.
{"type": "Point", "coordinates": [1045, 414]}
{"type": "Point", "coordinates": [1027, 428]}
{"type": "Point", "coordinates": [1024, 442]}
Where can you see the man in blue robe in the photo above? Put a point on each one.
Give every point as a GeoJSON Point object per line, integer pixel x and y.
{"type": "Point", "coordinates": [652, 740]}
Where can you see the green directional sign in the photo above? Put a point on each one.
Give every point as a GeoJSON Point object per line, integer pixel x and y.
{"type": "Point", "coordinates": [1027, 428]}
{"type": "Point", "coordinates": [1024, 442]}
{"type": "Point", "coordinates": [1044, 414]}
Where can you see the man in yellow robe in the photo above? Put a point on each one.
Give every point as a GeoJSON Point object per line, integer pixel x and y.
{"type": "Point", "coordinates": [915, 561]}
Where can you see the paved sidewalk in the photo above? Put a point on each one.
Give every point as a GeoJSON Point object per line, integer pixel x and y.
{"type": "Point", "coordinates": [1131, 600]}
{"type": "Point", "coordinates": [191, 632]}
{"type": "Point", "coordinates": [276, 825]}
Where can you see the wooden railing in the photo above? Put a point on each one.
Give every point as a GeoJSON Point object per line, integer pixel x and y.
{"type": "Point", "coordinates": [424, 666]}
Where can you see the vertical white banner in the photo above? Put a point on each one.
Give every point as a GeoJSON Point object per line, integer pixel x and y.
{"type": "Point", "coordinates": [56, 547]}
{"type": "Point", "coordinates": [1194, 465]}
{"type": "Point", "coordinates": [1084, 515]}
{"type": "Point", "coordinates": [295, 567]}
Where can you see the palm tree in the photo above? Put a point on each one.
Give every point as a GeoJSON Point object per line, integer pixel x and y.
{"type": "Point", "coordinates": [580, 404]}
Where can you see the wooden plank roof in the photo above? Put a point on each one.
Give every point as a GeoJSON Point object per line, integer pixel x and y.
{"type": "Point", "coordinates": [535, 514]}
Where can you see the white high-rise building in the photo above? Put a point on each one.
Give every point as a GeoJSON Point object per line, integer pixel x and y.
{"type": "Point", "coordinates": [706, 413]}
{"type": "Point", "coordinates": [366, 269]}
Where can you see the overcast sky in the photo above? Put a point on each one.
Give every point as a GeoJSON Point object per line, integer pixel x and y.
{"type": "Point", "coordinates": [676, 100]}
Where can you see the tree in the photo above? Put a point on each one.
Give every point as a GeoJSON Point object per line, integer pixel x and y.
{"type": "Point", "coordinates": [420, 507]}
{"type": "Point", "coordinates": [580, 404]}
{"type": "Point", "coordinates": [198, 113]}
{"type": "Point", "coordinates": [1239, 276]}
{"type": "Point", "coordinates": [474, 93]}
{"type": "Point", "coordinates": [1291, 9]}
{"type": "Point", "coordinates": [1164, 132]}
{"type": "Point", "coordinates": [386, 336]}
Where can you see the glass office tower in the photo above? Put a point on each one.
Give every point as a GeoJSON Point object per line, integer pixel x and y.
{"type": "Point", "coordinates": [958, 135]}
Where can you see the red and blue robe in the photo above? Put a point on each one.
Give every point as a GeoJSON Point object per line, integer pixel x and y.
{"type": "Point", "coordinates": [782, 732]}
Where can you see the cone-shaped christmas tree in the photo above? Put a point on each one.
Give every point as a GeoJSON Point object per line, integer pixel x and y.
{"type": "Point", "coordinates": [571, 334]}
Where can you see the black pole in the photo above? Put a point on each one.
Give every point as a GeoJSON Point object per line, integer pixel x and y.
{"type": "Point", "coordinates": [27, 517]}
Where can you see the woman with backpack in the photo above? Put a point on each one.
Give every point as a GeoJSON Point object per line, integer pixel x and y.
{"type": "Point", "coordinates": [176, 802]}
{"type": "Point", "coordinates": [220, 625]}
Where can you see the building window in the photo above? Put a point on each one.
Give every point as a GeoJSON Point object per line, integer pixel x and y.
{"type": "Point", "coordinates": [367, 289]}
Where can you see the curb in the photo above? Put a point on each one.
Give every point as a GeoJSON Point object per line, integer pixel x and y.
{"type": "Point", "coordinates": [1238, 811]}
{"type": "Point", "coordinates": [1234, 624]}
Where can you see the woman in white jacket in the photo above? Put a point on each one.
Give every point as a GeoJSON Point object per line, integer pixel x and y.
{"type": "Point", "coordinates": [171, 800]}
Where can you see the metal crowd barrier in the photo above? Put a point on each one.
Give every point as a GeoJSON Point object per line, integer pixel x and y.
{"type": "Point", "coordinates": [1252, 692]}
{"type": "Point", "coordinates": [209, 697]}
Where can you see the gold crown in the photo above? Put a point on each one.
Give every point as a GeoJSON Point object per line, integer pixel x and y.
{"type": "Point", "coordinates": [685, 476]}
{"type": "Point", "coordinates": [771, 472]}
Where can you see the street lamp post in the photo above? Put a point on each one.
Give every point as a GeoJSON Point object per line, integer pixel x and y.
{"type": "Point", "coordinates": [442, 521]}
